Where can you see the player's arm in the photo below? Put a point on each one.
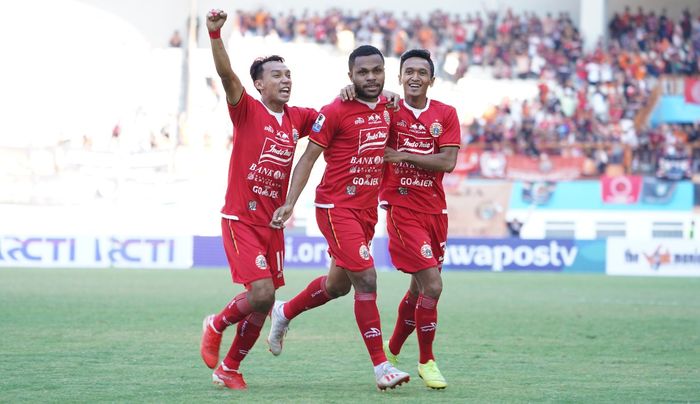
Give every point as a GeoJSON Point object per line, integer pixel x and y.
{"type": "Point", "coordinates": [347, 93]}
{"type": "Point", "coordinates": [445, 160]}
{"type": "Point", "coordinates": [299, 179]}
{"type": "Point", "coordinates": [231, 83]}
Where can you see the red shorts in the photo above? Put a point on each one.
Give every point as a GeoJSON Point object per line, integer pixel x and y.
{"type": "Point", "coordinates": [253, 252]}
{"type": "Point", "coordinates": [349, 233]}
{"type": "Point", "coordinates": [416, 240]}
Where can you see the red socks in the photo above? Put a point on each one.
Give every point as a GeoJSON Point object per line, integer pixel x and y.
{"type": "Point", "coordinates": [234, 312]}
{"type": "Point", "coordinates": [247, 333]}
{"type": "Point", "coordinates": [426, 323]}
{"type": "Point", "coordinates": [405, 323]}
{"type": "Point", "coordinates": [314, 295]}
{"type": "Point", "coordinates": [367, 317]}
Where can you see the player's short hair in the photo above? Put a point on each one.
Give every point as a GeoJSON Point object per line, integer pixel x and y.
{"type": "Point", "coordinates": [418, 53]}
{"type": "Point", "coordinates": [364, 50]}
{"type": "Point", "coordinates": [256, 68]}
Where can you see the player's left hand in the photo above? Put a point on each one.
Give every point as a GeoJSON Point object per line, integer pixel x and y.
{"type": "Point", "coordinates": [393, 99]}
{"type": "Point", "coordinates": [392, 156]}
{"type": "Point", "coordinates": [347, 93]}
{"type": "Point", "coordinates": [281, 215]}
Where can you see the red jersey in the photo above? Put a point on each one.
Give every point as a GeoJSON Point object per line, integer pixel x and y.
{"type": "Point", "coordinates": [353, 136]}
{"type": "Point", "coordinates": [409, 186]}
{"type": "Point", "coordinates": [261, 160]}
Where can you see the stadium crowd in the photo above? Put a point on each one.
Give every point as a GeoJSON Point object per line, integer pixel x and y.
{"type": "Point", "coordinates": [589, 103]}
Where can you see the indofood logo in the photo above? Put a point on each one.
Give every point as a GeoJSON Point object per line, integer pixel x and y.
{"type": "Point", "coordinates": [276, 153]}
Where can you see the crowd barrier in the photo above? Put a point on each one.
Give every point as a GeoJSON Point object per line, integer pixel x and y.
{"type": "Point", "coordinates": [614, 256]}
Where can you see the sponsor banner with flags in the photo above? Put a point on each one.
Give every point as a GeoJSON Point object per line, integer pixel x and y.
{"type": "Point", "coordinates": [657, 191]}
{"type": "Point", "coordinates": [544, 168]}
{"type": "Point", "coordinates": [623, 189]}
{"type": "Point", "coordinates": [692, 90]}
{"type": "Point", "coordinates": [659, 257]}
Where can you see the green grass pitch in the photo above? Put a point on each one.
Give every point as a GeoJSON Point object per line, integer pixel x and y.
{"type": "Point", "coordinates": [133, 336]}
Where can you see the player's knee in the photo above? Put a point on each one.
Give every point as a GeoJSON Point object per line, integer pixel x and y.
{"type": "Point", "coordinates": [433, 289]}
{"type": "Point", "coordinates": [337, 290]}
{"type": "Point", "coordinates": [261, 298]}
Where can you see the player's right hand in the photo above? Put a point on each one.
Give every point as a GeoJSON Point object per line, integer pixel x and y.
{"type": "Point", "coordinates": [281, 215]}
{"type": "Point", "coordinates": [216, 19]}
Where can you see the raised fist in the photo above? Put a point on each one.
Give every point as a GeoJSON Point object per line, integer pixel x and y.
{"type": "Point", "coordinates": [216, 20]}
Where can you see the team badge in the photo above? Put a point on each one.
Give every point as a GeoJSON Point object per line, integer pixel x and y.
{"type": "Point", "coordinates": [252, 205]}
{"type": "Point", "coordinates": [403, 191]}
{"type": "Point", "coordinates": [295, 135]}
{"type": "Point", "coordinates": [426, 251]}
{"type": "Point", "coordinates": [351, 190]}
{"type": "Point", "coordinates": [364, 252]}
{"type": "Point", "coordinates": [436, 129]}
{"type": "Point", "coordinates": [319, 123]}
{"type": "Point", "coordinates": [387, 117]}
{"type": "Point", "coordinates": [261, 262]}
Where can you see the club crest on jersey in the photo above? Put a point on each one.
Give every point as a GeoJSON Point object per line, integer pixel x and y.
{"type": "Point", "coordinates": [351, 190]}
{"type": "Point", "coordinates": [295, 135]}
{"type": "Point", "coordinates": [252, 205]}
{"type": "Point", "coordinates": [359, 120]}
{"type": "Point", "coordinates": [261, 262]}
{"type": "Point", "coordinates": [387, 117]}
{"type": "Point", "coordinates": [319, 123]}
{"type": "Point", "coordinates": [426, 251]}
{"type": "Point", "coordinates": [364, 252]}
{"type": "Point", "coordinates": [436, 129]}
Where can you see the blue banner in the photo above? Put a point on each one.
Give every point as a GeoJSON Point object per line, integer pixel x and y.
{"type": "Point", "coordinates": [525, 255]}
{"type": "Point", "coordinates": [461, 254]}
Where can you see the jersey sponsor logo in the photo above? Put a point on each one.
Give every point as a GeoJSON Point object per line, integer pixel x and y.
{"type": "Point", "coordinates": [276, 153]}
{"type": "Point", "coordinates": [268, 128]}
{"type": "Point", "coordinates": [364, 252]}
{"type": "Point", "coordinates": [372, 333]}
{"type": "Point", "coordinates": [418, 127]}
{"type": "Point", "coordinates": [351, 190]}
{"type": "Point", "coordinates": [252, 205]}
{"type": "Point", "coordinates": [376, 160]}
{"type": "Point", "coordinates": [387, 117]}
{"type": "Point", "coordinates": [402, 123]}
{"type": "Point", "coordinates": [261, 262]}
{"type": "Point", "coordinates": [372, 139]}
{"type": "Point", "coordinates": [359, 121]}
{"type": "Point", "coordinates": [426, 251]}
{"type": "Point", "coordinates": [295, 135]}
{"type": "Point", "coordinates": [416, 182]}
{"type": "Point", "coordinates": [403, 191]}
{"type": "Point", "coordinates": [435, 129]}
{"type": "Point", "coordinates": [282, 136]}
{"type": "Point", "coordinates": [366, 181]}
{"type": "Point", "coordinates": [414, 144]}
{"type": "Point", "coordinates": [410, 323]}
{"type": "Point", "coordinates": [265, 191]}
{"type": "Point", "coordinates": [265, 171]}
{"type": "Point", "coordinates": [319, 123]}
{"type": "Point", "coordinates": [374, 119]}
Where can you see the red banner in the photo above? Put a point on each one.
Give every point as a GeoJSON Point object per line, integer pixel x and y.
{"type": "Point", "coordinates": [544, 168]}
{"type": "Point", "coordinates": [621, 189]}
{"type": "Point", "coordinates": [692, 90]}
